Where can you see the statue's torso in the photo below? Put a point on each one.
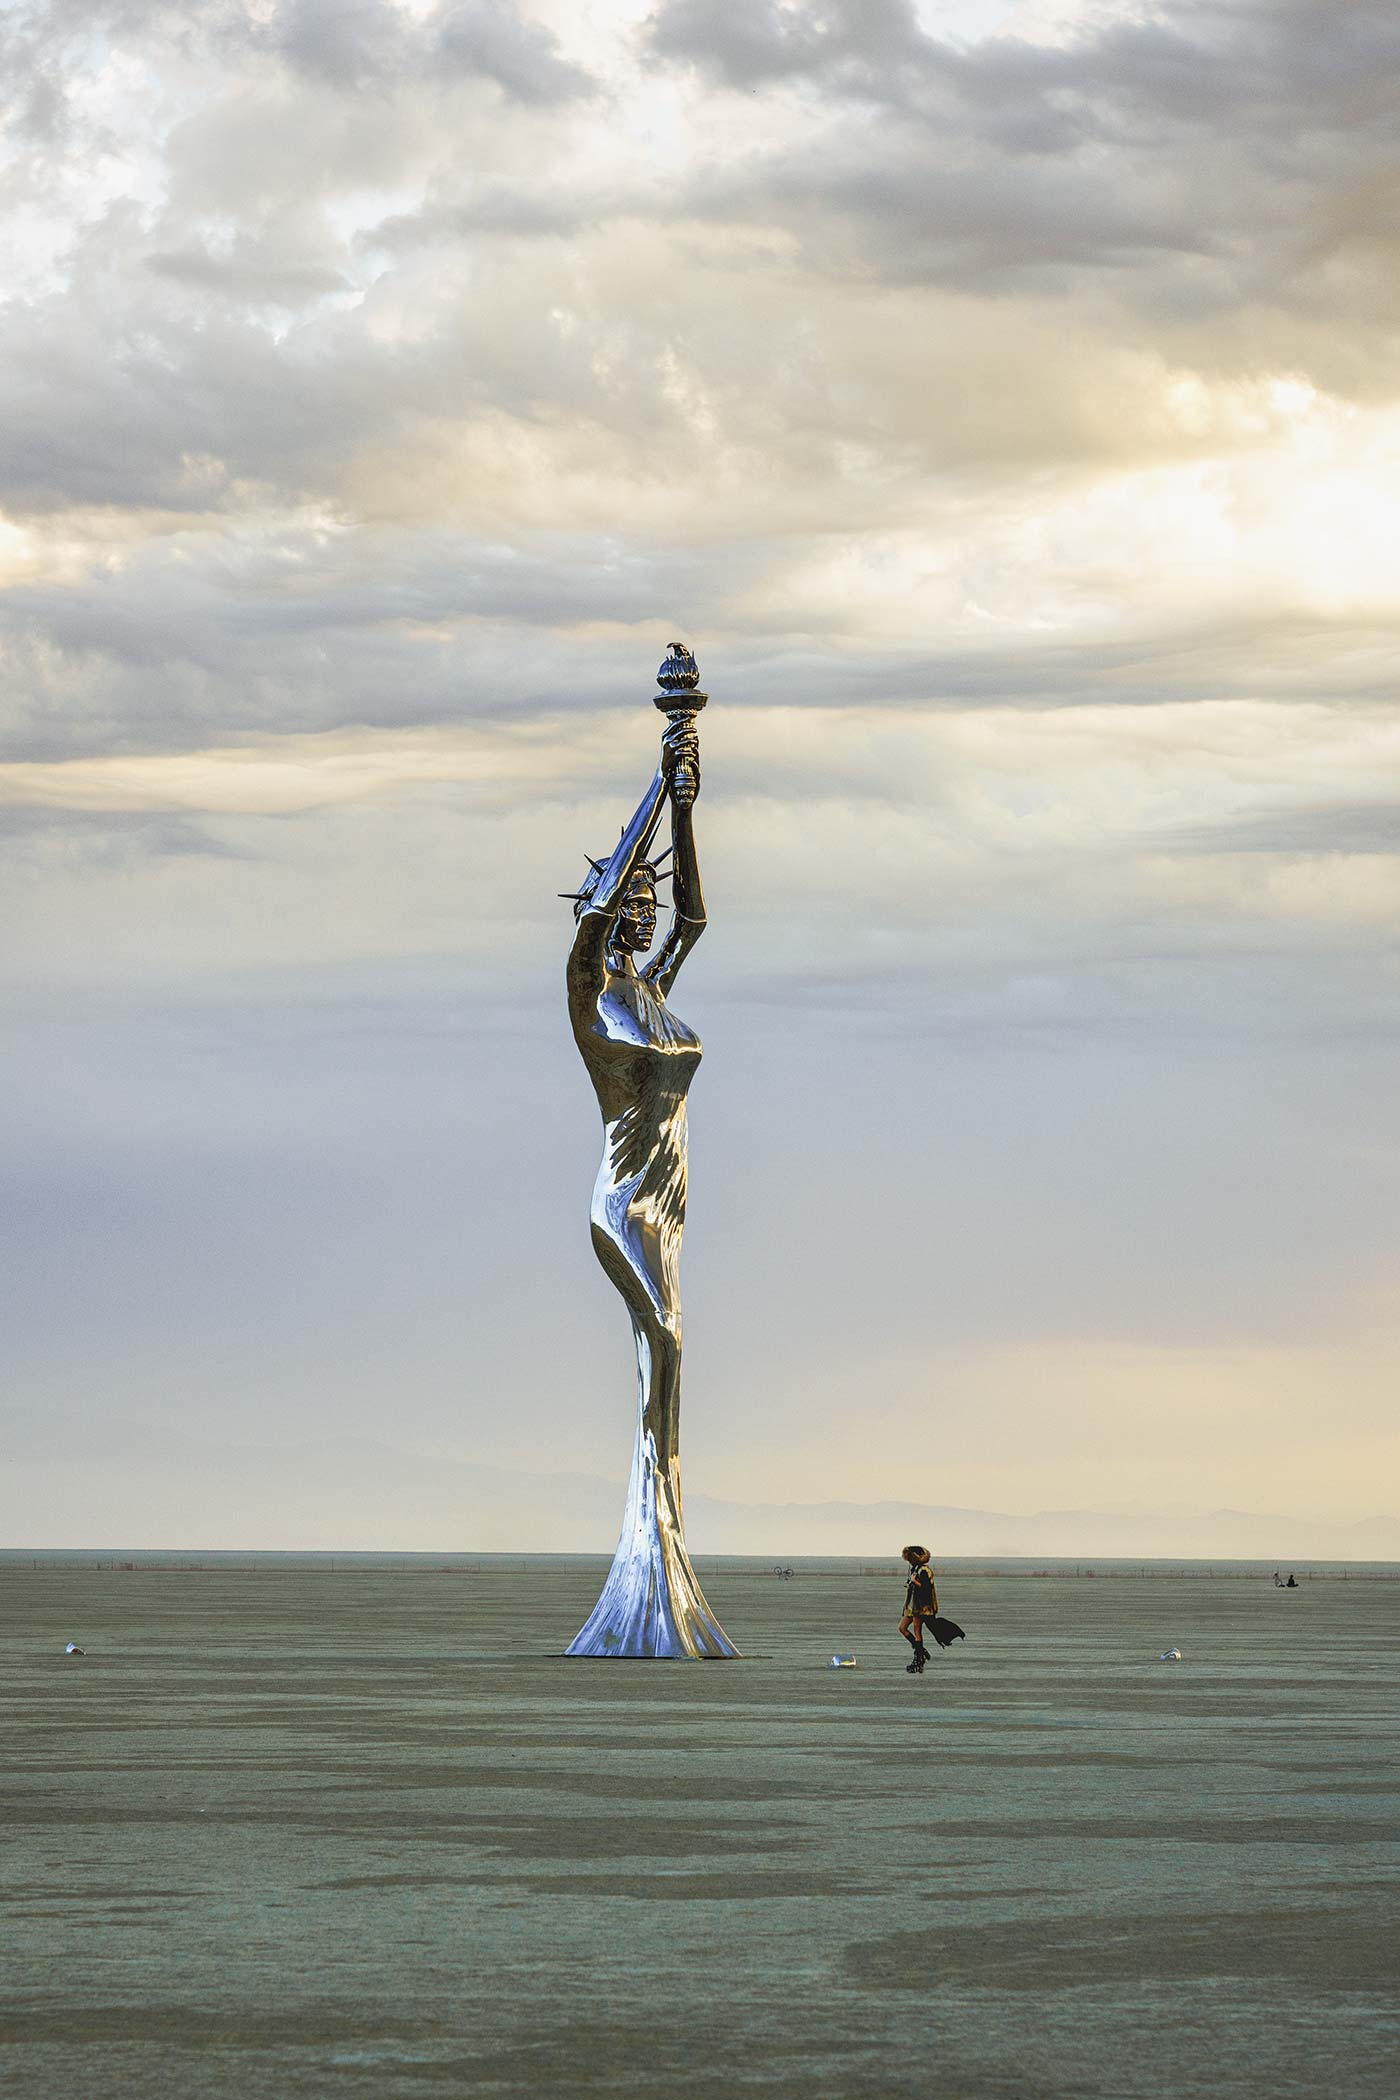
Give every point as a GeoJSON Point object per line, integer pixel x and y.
{"type": "Point", "coordinates": [635, 1047]}
{"type": "Point", "coordinates": [641, 1058]}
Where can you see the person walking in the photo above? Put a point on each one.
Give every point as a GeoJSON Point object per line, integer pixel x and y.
{"type": "Point", "coordinates": [920, 1604]}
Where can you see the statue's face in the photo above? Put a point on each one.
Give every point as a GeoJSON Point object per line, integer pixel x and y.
{"type": "Point", "coordinates": [636, 922]}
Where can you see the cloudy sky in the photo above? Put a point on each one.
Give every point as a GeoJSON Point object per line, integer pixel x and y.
{"type": "Point", "coordinates": [1003, 400]}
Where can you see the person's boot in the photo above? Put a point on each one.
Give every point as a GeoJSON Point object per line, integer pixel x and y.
{"type": "Point", "coordinates": [920, 1657]}
{"type": "Point", "coordinates": [911, 1669]}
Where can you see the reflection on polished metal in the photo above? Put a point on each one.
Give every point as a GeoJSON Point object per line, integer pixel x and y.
{"type": "Point", "coordinates": [641, 1059]}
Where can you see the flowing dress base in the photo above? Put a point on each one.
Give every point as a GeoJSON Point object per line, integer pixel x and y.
{"type": "Point", "coordinates": [651, 1604]}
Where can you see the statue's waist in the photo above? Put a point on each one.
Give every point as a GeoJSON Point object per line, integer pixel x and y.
{"type": "Point", "coordinates": [640, 1168]}
{"type": "Point", "coordinates": [647, 1095]}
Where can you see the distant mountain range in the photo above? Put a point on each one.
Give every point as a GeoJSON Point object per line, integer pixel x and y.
{"type": "Point", "coordinates": [868, 1528]}
{"type": "Point", "coordinates": [151, 1489]}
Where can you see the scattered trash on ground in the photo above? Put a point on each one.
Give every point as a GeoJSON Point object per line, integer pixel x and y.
{"type": "Point", "coordinates": [842, 1662]}
{"type": "Point", "coordinates": [74, 1649]}
{"type": "Point", "coordinates": [1170, 1655]}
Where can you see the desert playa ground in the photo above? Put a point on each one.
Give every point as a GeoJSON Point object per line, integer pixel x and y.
{"type": "Point", "coordinates": [288, 1831]}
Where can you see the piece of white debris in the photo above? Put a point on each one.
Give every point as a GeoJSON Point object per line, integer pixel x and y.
{"type": "Point", "coordinates": [74, 1649]}
{"type": "Point", "coordinates": [1170, 1655]}
{"type": "Point", "coordinates": [842, 1662]}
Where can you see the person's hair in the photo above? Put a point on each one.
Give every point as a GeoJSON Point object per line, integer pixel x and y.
{"type": "Point", "coordinates": [915, 1554]}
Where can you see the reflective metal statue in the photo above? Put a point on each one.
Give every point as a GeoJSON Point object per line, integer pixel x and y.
{"type": "Point", "coordinates": [641, 1058]}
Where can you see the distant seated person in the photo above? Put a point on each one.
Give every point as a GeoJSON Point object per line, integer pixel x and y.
{"type": "Point", "coordinates": [921, 1610]}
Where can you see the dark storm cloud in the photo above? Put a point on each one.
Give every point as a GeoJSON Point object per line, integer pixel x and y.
{"type": "Point", "coordinates": [512, 208]}
{"type": "Point", "coordinates": [249, 275]}
{"type": "Point", "coordinates": [1326, 827]}
{"type": "Point", "coordinates": [348, 43]}
{"type": "Point", "coordinates": [151, 381]}
{"type": "Point", "coordinates": [752, 43]}
{"type": "Point", "coordinates": [485, 37]}
{"type": "Point", "coordinates": [97, 842]}
{"type": "Point", "coordinates": [1002, 227]}
{"type": "Point", "coordinates": [358, 43]}
{"type": "Point", "coordinates": [1262, 136]}
{"type": "Point", "coordinates": [309, 583]}
{"type": "Point", "coordinates": [1280, 68]}
{"type": "Point", "coordinates": [119, 396]}
{"type": "Point", "coordinates": [195, 643]}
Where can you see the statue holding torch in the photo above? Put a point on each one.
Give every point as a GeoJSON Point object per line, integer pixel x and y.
{"type": "Point", "coordinates": [641, 1058]}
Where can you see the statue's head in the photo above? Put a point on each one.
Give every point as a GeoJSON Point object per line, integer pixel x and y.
{"type": "Point", "coordinates": [636, 922]}
{"type": "Point", "coordinates": [635, 925]}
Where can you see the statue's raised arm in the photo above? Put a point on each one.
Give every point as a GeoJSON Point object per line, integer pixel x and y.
{"type": "Point", "coordinates": [681, 763]}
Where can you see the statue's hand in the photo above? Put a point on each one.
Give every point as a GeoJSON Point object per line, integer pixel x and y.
{"type": "Point", "coordinates": [680, 760]}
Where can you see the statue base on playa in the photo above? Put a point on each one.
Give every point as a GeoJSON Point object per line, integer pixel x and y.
{"type": "Point", "coordinates": [652, 1604]}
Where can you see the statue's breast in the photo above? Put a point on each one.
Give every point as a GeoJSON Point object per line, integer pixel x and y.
{"type": "Point", "coordinates": [632, 1016]}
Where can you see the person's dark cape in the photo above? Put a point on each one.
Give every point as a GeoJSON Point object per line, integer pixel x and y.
{"type": "Point", "coordinates": [944, 1631]}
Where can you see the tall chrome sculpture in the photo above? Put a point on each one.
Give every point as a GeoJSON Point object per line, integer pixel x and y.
{"type": "Point", "coordinates": [641, 1058]}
